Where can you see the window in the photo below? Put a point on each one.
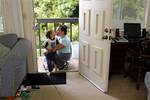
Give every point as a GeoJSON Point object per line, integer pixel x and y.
{"type": "Point", "coordinates": [128, 11]}
{"type": "Point", "coordinates": [1, 20]}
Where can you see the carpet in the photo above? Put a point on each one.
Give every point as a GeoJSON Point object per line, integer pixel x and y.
{"type": "Point", "coordinates": [44, 79]}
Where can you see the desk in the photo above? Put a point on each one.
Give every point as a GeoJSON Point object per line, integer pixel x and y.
{"type": "Point", "coordinates": [117, 56]}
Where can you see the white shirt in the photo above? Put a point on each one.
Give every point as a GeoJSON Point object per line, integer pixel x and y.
{"type": "Point", "coordinates": [50, 43]}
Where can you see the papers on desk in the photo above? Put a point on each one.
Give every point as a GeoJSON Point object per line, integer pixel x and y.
{"type": "Point", "coordinates": [121, 40]}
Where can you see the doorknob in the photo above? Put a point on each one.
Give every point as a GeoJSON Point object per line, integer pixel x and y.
{"type": "Point", "coordinates": [105, 37]}
{"type": "Point", "coordinates": [110, 37]}
{"type": "Point", "coordinates": [106, 30]}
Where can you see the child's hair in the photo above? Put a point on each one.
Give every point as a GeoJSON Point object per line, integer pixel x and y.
{"type": "Point", "coordinates": [63, 28]}
{"type": "Point", "coordinates": [48, 33]}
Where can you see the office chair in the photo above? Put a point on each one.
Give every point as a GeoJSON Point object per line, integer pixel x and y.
{"type": "Point", "coordinates": [138, 61]}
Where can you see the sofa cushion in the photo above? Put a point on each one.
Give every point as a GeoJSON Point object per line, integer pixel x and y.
{"type": "Point", "coordinates": [8, 40]}
{"type": "Point", "coordinates": [3, 51]}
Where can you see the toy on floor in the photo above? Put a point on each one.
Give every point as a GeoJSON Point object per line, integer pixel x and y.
{"type": "Point", "coordinates": [23, 93]}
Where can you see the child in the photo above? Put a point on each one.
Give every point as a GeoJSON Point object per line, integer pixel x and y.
{"type": "Point", "coordinates": [50, 43]}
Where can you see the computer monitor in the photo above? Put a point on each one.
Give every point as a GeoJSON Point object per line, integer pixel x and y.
{"type": "Point", "coordinates": [132, 30]}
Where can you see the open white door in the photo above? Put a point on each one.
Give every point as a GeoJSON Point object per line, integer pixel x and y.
{"type": "Point", "coordinates": [94, 38]}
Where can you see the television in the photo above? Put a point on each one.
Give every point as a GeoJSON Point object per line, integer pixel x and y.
{"type": "Point", "coordinates": [132, 30]}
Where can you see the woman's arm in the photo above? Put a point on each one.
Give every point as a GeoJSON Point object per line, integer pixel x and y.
{"type": "Point", "coordinates": [58, 47]}
{"type": "Point", "coordinates": [49, 49]}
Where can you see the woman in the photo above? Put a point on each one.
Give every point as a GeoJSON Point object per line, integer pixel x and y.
{"type": "Point", "coordinates": [63, 48]}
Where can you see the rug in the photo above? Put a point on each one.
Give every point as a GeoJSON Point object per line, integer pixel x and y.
{"type": "Point", "coordinates": [44, 79]}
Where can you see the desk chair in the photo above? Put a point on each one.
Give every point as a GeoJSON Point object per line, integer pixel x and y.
{"type": "Point", "coordinates": [138, 61]}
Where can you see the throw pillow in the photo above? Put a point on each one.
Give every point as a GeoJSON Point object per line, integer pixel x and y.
{"type": "Point", "coordinates": [3, 50]}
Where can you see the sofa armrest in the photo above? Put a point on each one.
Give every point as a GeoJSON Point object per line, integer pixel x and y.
{"type": "Point", "coordinates": [21, 49]}
{"type": "Point", "coordinates": [147, 84]}
{"type": "Point", "coordinates": [147, 80]}
{"type": "Point", "coordinates": [17, 53]}
{"type": "Point", "coordinates": [13, 67]}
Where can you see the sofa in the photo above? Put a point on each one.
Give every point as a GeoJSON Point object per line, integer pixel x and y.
{"type": "Point", "coordinates": [13, 63]}
{"type": "Point", "coordinates": [147, 84]}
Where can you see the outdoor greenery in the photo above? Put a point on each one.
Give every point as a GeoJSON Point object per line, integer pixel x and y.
{"type": "Point", "coordinates": [134, 9]}
{"type": "Point", "coordinates": [57, 9]}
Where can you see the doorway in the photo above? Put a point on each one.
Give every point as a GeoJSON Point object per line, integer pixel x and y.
{"type": "Point", "coordinates": [48, 15]}
{"type": "Point", "coordinates": [72, 33]}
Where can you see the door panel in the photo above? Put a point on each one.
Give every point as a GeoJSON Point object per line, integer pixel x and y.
{"type": "Point", "coordinates": [84, 53]}
{"type": "Point", "coordinates": [86, 21]}
{"type": "Point", "coordinates": [99, 20]}
{"type": "Point", "coordinates": [97, 60]}
{"type": "Point", "coordinates": [94, 17]}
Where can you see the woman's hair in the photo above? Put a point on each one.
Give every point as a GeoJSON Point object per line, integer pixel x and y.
{"type": "Point", "coordinates": [48, 33]}
{"type": "Point", "coordinates": [63, 28]}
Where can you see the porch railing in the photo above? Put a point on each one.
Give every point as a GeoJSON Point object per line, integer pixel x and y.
{"type": "Point", "coordinates": [44, 23]}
